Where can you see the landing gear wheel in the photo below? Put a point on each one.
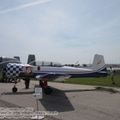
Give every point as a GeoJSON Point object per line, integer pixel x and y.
{"type": "Point", "coordinates": [14, 89]}
{"type": "Point", "coordinates": [47, 90]}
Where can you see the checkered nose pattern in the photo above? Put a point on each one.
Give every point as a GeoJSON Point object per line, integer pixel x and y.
{"type": "Point", "coordinates": [13, 70]}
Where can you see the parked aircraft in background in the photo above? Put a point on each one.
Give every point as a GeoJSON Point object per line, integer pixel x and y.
{"type": "Point", "coordinates": [6, 60]}
{"type": "Point", "coordinates": [3, 63]}
{"type": "Point", "coordinates": [45, 71]}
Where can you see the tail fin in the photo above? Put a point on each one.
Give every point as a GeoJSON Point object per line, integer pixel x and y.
{"type": "Point", "coordinates": [98, 62]}
{"type": "Point", "coordinates": [31, 59]}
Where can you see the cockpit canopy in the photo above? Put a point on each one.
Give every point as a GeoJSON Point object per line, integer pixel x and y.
{"type": "Point", "coordinates": [45, 63]}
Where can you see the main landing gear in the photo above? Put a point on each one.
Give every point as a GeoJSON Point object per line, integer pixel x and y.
{"type": "Point", "coordinates": [46, 89]}
{"type": "Point", "coordinates": [43, 84]}
{"type": "Point", "coordinates": [14, 89]}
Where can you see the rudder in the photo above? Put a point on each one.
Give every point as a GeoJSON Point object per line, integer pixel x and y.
{"type": "Point", "coordinates": [98, 62]}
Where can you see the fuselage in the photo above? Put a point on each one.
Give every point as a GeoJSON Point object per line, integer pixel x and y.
{"type": "Point", "coordinates": [74, 72]}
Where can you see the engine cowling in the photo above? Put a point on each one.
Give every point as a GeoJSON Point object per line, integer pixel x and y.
{"type": "Point", "coordinates": [13, 70]}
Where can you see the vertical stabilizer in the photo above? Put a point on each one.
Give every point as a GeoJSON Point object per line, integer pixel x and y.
{"type": "Point", "coordinates": [31, 59]}
{"type": "Point", "coordinates": [98, 62]}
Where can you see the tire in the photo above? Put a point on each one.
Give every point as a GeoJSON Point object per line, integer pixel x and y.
{"type": "Point", "coordinates": [14, 89]}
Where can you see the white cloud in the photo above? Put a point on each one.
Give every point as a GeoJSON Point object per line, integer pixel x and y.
{"type": "Point", "coordinates": [24, 6]}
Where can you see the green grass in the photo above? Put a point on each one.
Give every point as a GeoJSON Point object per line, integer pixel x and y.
{"type": "Point", "coordinates": [101, 81]}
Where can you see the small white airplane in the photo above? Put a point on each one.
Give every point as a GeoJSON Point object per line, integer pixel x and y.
{"type": "Point", "coordinates": [51, 71]}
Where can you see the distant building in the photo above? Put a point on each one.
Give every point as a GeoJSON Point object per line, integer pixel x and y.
{"type": "Point", "coordinates": [115, 67]}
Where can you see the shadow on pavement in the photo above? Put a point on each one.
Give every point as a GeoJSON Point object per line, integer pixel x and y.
{"type": "Point", "coordinates": [57, 101]}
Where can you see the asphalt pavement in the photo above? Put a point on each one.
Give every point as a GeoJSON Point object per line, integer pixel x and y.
{"type": "Point", "coordinates": [71, 102]}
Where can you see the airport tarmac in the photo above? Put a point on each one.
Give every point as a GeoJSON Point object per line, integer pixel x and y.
{"type": "Point", "coordinates": [72, 102]}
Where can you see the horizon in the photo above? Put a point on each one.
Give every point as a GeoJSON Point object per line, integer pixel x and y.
{"type": "Point", "coordinates": [75, 63]}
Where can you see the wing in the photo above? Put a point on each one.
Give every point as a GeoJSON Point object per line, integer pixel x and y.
{"type": "Point", "coordinates": [52, 76]}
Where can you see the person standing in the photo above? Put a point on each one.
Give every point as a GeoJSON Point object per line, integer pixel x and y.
{"type": "Point", "coordinates": [112, 72]}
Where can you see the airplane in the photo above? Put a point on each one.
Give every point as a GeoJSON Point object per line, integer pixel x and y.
{"type": "Point", "coordinates": [46, 72]}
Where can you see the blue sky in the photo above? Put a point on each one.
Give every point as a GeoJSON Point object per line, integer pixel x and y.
{"type": "Point", "coordinates": [65, 31]}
